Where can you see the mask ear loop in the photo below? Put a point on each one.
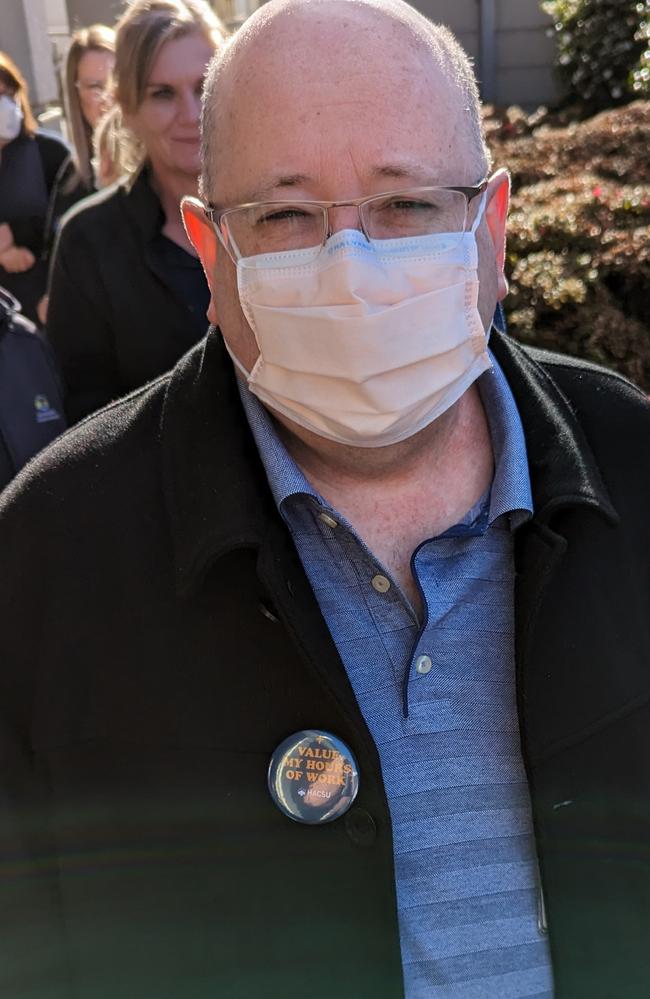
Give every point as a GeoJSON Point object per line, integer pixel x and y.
{"type": "Point", "coordinates": [480, 213]}
{"type": "Point", "coordinates": [237, 255]}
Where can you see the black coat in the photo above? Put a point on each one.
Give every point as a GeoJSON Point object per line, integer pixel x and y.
{"type": "Point", "coordinates": [160, 639]}
{"type": "Point", "coordinates": [31, 395]}
{"type": "Point", "coordinates": [35, 229]}
{"type": "Point", "coordinates": [113, 320]}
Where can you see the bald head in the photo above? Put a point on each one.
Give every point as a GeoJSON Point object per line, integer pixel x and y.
{"type": "Point", "coordinates": [381, 55]}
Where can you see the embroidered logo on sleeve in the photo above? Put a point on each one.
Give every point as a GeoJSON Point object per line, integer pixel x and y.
{"type": "Point", "coordinates": [44, 412]}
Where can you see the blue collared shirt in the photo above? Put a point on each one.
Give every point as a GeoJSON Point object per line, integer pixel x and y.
{"type": "Point", "coordinates": [439, 701]}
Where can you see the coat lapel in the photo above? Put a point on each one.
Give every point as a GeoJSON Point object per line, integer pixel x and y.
{"type": "Point", "coordinates": [218, 500]}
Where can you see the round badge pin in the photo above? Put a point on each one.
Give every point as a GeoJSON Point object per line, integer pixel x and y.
{"type": "Point", "coordinates": [313, 777]}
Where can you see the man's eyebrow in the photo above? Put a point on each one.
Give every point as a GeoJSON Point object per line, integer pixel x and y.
{"type": "Point", "coordinates": [403, 170]}
{"type": "Point", "coordinates": [273, 188]}
{"type": "Point", "coordinates": [270, 189]}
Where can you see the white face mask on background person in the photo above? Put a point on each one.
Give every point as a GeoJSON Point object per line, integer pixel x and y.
{"type": "Point", "coordinates": [365, 343]}
{"type": "Point", "coordinates": [11, 118]}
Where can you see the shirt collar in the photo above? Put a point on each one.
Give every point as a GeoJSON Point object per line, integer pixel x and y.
{"type": "Point", "coordinates": [201, 404]}
{"type": "Point", "coordinates": [285, 477]}
{"type": "Point", "coordinates": [511, 489]}
{"type": "Point", "coordinates": [510, 492]}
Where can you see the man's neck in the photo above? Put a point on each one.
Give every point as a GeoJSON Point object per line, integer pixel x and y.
{"type": "Point", "coordinates": [399, 496]}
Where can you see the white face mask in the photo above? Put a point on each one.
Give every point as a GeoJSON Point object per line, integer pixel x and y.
{"type": "Point", "coordinates": [365, 344]}
{"type": "Point", "coordinates": [11, 118]}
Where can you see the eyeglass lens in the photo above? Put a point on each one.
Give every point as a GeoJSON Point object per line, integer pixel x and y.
{"type": "Point", "coordinates": [96, 88]}
{"type": "Point", "coordinates": [274, 227]}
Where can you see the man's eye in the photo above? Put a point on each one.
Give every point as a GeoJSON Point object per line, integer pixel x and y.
{"type": "Point", "coordinates": [408, 205]}
{"type": "Point", "coordinates": [283, 215]}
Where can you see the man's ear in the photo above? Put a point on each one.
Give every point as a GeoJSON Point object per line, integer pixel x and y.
{"type": "Point", "coordinates": [496, 214]}
{"type": "Point", "coordinates": [201, 234]}
{"type": "Point", "coordinates": [203, 238]}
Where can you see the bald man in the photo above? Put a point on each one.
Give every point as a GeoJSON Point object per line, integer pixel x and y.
{"type": "Point", "coordinates": [325, 657]}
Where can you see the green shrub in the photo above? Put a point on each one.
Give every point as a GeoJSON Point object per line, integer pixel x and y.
{"type": "Point", "coordinates": [578, 258]}
{"type": "Point", "coordinates": [639, 82]}
{"type": "Point", "coordinates": [602, 49]}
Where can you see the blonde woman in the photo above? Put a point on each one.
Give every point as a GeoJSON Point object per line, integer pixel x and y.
{"type": "Point", "coordinates": [127, 293]}
{"type": "Point", "coordinates": [88, 70]}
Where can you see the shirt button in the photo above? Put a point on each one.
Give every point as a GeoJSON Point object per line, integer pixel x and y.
{"type": "Point", "coordinates": [380, 584]}
{"type": "Point", "coordinates": [423, 664]}
{"type": "Point", "coordinates": [326, 519]}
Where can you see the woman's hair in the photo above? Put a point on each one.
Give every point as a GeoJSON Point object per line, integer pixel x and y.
{"type": "Point", "coordinates": [141, 32]}
{"type": "Point", "coordinates": [12, 78]}
{"type": "Point", "coordinates": [110, 149]}
{"type": "Point", "coordinates": [96, 38]}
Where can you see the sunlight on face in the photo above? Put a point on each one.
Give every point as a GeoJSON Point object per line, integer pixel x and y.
{"type": "Point", "coordinates": [167, 121]}
{"type": "Point", "coordinates": [93, 79]}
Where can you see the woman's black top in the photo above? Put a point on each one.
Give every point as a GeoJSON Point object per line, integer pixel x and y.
{"type": "Point", "coordinates": [182, 273]}
{"type": "Point", "coordinates": [122, 310]}
{"type": "Point", "coordinates": [30, 172]}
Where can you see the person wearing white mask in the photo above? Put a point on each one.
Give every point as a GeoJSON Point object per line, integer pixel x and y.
{"type": "Point", "coordinates": [342, 684]}
{"type": "Point", "coordinates": [31, 162]}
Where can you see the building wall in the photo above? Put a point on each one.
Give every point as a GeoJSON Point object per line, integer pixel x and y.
{"type": "Point", "coordinates": [522, 53]}
{"type": "Point", "coordinates": [14, 39]}
{"type": "Point", "coordinates": [461, 16]}
{"type": "Point", "coordinates": [23, 35]}
{"type": "Point", "coordinates": [82, 13]}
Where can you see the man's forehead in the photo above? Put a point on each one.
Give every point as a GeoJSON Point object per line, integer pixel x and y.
{"type": "Point", "coordinates": [290, 141]}
{"type": "Point", "coordinates": [322, 81]}
{"type": "Point", "coordinates": [340, 34]}
{"type": "Point", "coordinates": [288, 43]}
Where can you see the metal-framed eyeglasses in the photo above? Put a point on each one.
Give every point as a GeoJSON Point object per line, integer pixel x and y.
{"type": "Point", "coordinates": [259, 227]}
{"type": "Point", "coordinates": [95, 88]}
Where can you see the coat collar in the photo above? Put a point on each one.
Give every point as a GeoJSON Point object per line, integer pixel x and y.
{"type": "Point", "coordinates": [142, 205]}
{"type": "Point", "coordinates": [563, 470]}
{"type": "Point", "coordinates": [216, 490]}
{"type": "Point", "coordinates": [215, 487]}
